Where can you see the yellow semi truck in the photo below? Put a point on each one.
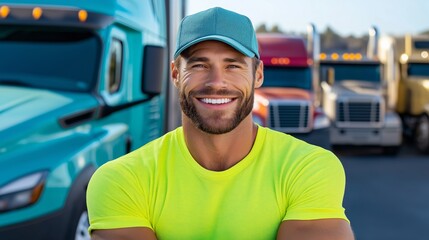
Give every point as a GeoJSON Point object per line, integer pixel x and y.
{"type": "Point", "coordinates": [411, 72]}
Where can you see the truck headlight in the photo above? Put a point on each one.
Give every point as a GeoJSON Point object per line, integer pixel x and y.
{"type": "Point", "coordinates": [22, 192]}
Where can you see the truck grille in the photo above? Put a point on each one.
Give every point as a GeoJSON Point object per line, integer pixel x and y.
{"type": "Point", "coordinates": [290, 116]}
{"type": "Point", "coordinates": [359, 113]}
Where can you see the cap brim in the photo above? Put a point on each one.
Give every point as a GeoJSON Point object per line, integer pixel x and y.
{"type": "Point", "coordinates": [236, 45]}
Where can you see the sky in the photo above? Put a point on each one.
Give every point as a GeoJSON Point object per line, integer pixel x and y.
{"type": "Point", "coordinates": [346, 17]}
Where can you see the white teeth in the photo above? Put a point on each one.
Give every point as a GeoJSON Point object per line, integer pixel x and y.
{"type": "Point", "coordinates": [216, 100]}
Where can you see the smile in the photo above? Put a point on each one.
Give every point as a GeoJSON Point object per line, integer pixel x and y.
{"type": "Point", "coordinates": [216, 100]}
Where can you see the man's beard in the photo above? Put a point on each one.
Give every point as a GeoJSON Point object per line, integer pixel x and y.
{"type": "Point", "coordinates": [213, 125]}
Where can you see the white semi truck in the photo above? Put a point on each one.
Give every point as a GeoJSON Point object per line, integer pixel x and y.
{"type": "Point", "coordinates": [354, 98]}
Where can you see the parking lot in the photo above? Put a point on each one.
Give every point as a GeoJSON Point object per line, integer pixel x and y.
{"type": "Point", "coordinates": [387, 197]}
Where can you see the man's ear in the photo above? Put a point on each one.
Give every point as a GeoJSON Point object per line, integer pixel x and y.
{"type": "Point", "coordinates": [259, 75]}
{"type": "Point", "coordinates": [174, 74]}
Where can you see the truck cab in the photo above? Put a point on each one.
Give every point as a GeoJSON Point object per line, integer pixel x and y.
{"type": "Point", "coordinates": [287, 100]}
{"type": "Point", "coordinates": [411, 70]}
{"type": "Point", "coordinates": [354, 99]}
{"type": "Point", "coordinates": [81, 83]}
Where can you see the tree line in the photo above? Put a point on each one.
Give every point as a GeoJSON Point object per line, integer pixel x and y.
{"type": "Point", "coordinates": [330, 41]}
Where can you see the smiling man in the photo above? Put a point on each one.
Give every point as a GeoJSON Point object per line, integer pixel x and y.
{"type": "Point", "coordinates": [219, 176]}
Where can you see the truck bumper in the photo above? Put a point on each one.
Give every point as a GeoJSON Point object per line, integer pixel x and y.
{"type": "Point", "coordinates": [319, 137]}
{"type": "Point", "coordinates": [387, 135]}
{"type": "Point", "coordinates": [47, 227]}
{"type": "Point", "coordinates": [366, 137]}
{"type": "Point", "coordinates": [52, 226]}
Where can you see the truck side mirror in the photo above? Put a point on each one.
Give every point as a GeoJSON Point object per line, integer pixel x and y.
{"type": "Point", "coordinates": [330, 76]}
{"type": "Point", "coordinates": [154, 69]}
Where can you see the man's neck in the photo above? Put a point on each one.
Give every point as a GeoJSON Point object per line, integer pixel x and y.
{"type": "Point", "coordinates": [219, 152]}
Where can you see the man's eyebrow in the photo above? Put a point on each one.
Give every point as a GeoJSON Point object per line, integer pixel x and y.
{"type": "Point", "coordinates": [196, 59]}
{"type": "Point", "coordinates": [234, 60]}
{"type": "Point", "coordinates": [205, 59]}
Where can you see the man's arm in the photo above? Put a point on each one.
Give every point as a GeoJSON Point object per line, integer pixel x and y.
{"type": "Point", "coordinates": [324, 229]}
{"type": "Point", "coordinates": [133, 233]}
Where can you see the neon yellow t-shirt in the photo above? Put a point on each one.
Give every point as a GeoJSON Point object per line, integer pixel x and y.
{"type": "Point", "coordinates": [162, 187]}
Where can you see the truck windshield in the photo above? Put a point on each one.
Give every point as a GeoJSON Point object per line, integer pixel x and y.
{"type": "Point", "coordinates": [418, 69]}
{"type": "Point", "coordinates": [299, 77]}
{"type": "Point", "coordinates": [370, 72]}
{"type": "Point", "coordinates": [48, 58]}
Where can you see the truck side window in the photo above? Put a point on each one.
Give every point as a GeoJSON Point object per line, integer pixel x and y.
{"type": "Point", "coordinates": [115, 66]}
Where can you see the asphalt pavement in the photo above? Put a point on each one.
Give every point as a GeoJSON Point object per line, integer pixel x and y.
{"type": "Point", "coordinates": [387, 197]}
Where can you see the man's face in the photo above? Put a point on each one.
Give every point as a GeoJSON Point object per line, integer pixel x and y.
{"type": "Point", "coordinates": [216, 86]}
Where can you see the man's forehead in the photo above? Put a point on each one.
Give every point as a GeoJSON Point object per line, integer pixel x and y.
{"type": "Point", "coordinates": [201, 49]}
{"type": "Point", "coordinates": [213, 46]}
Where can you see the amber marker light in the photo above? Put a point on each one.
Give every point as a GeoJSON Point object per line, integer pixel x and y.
{"type": "Point", "coordinates": [274, 61]}
{"type": "Point", "coordinates": [280, 61]}
{"type": "Point", "coordinates": [37, 13]}
{"type": "Point", "coordinates": [83, 15]}
{"type": "Point", "coordinates": [358, 56]}
{"type": "Point", "coordinates": [284, 61]}
{"type": "Point", "coordinates": [4, 11]}
{"type": "Point", "coordinates": [323, 56]}
{"type": "Point", "coordinates": [335, 56]}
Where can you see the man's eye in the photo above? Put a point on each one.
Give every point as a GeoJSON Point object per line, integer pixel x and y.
{"type": "Point", "coordinates": [233, 66]}
{"type": "Point", "coordinates": [198, 66]}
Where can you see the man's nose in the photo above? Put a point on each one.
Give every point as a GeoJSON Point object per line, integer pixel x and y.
{"type": "Point", "coordinates": [216, 78]}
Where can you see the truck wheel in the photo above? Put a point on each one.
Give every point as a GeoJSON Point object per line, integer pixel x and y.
{"type": "Point", "coordinates": [78, 223]}
{"type": "Point", "coordinates": [422, 134]}
{"type": "Point", "coordinates": [82, 227]}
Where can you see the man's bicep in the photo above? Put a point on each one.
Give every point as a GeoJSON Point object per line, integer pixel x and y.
{"type": "Point", "coordinates": [321, 229]}
{"type": "Point", "coordinates": [135, 233]}
{"type": "Point", "coordinates": [317, 190]}
{"type": "Point", "coordinates": [115, 201]}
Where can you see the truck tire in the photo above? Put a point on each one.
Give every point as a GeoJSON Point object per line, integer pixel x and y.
{"type": "Point", "coordinates": [422, 134]}
{"type": "Point", "coordinates": [78, 222]}
{"type": "Point", "coordinates": [81, 232]}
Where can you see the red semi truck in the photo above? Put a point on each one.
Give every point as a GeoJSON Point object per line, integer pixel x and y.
{"type": "Point", "coordinates": [288, 99]}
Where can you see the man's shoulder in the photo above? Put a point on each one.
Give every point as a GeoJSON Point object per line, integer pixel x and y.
{"type": "Point", "coordinates": [158, 146]}
{"type": "Point", "coordinates": [290, 145]}
{"type": "Point", "coordinates": [278, 137]}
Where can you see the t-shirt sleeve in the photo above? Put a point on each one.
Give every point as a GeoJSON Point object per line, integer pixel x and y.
{"type": "Point", "coordinates": [316, 188]}
{"type": "Point", "coordinates": [116, 199]}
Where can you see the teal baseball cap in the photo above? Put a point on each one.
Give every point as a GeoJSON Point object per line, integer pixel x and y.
{"type": "Point", "coordinates": [218, 24]}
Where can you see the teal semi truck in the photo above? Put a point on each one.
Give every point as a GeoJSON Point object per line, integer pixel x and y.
{"type": "Point", "coordinates": [81, 82]}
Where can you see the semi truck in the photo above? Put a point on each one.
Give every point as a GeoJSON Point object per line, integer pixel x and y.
{"type": "Point", "coordinates": [410, 70]}
{"type": "Point", "coordinates": [355, 99]}
{"type": "Point", "coordinates": [288, 99]}
{"type": "Point", "coordinates": [81, 83]}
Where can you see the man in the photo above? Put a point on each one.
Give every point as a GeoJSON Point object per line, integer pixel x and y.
{"type": "Point", "coordinates": [219, 176]}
